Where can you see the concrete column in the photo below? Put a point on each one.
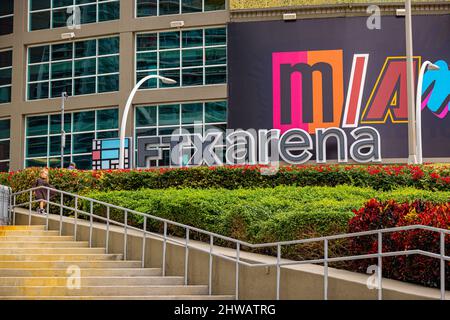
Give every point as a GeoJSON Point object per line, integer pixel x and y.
{"type": "Point", "coordinates": [126, 61]}
{"type": "Point", "coordinates": [18, 86]}
{"type": "Point", "coordinates": [126, 77]}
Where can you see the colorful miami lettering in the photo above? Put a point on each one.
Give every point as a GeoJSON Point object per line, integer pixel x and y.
{"type": "Point", "coordinates": [308, 91]}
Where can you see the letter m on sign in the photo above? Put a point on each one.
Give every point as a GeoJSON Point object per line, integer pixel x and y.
{"type": "Point", "coordinates": [308, 90]}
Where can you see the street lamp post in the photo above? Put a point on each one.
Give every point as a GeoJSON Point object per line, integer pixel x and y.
{"type": "Point", "coordinates": [427, 65]}
{"type": "Point", "coordinates": [412, 156]}
{"type": "Point", "coordinates": [127, 110]}
{"type": "Point", "coordinates": [64, 97]}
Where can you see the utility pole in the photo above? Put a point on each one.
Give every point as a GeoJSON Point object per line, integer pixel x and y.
{"type": "Point", "coordinates": [64, 97]}
{"type": "Point", "coordinates": [412, 151]}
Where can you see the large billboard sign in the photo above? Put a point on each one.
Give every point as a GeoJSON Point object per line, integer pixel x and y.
{"type": "Point", "coordinates": [341, 84]}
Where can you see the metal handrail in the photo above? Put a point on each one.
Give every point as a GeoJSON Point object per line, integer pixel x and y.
{"type": "Point", "coordinates": [239, 244]}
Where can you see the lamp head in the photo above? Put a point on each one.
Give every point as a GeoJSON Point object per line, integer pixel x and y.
{"type": "Point", "coordinates": [167, 80]}
{"type": "Point", "coordinates": [432, 66]}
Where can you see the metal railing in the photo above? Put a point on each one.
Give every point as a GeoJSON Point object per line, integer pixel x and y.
{"type": "Point", "coordinates": [237, 259]}
{"type": "Point", "coordinates": [5, 198]}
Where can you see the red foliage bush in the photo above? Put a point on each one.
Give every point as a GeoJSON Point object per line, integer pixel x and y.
{"type": "Point", "coordinates": [418, 269]}
{"type": "Point", "coordinates": [380, 177]}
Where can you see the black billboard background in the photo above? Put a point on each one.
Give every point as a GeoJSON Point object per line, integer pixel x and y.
{"type": "Point", "coordinates": [250, 49]}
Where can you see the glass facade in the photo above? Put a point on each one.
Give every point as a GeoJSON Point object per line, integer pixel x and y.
{"type": "Point", "coordinates": [163, 120]}
{"type": "Point", "coordinates": [78, 68]}
{"type": "Point", "coordinates": [5, 75]}
{"type": "Point", "coordinates": [5, 126]}
{"type": "Point", "coordinates": [48, 14]}
{"type": "Point", "coordinates": [145, 8]}
{"type": "Point", "coordinates": [43, 137]}
{"type": "Point", "coordinates": [191, 57]}
{"type": "Point", "coordinates": [6, 17]}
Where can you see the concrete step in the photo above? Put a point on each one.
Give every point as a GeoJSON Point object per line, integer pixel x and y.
{"type": "Point", "coordinates": [165, 297]}
{"type": "Point", "coordinates": [44, 244]}
{"type": "Point", "coordinates": [103, 291]}
{"type": "Point", "coordinates": [23, 233]}
{"type": "Point", "coordinates": [22, 227]}
{"type": "Point", "coordinates": [91, 281]}
{"type": "Point", "coordinates": [36, 238]}
{"type": "Point", "coordinates": [64, 264]}
{"type": "Point", "coordinates": [69, 250]}
{"type": "Point", "coordinates": [60, 257]}
{"type": "Point", "coordinates": [85, 272]}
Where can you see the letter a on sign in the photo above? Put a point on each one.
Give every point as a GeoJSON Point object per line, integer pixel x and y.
{"type": "Point", "coordinates": [388, 98]}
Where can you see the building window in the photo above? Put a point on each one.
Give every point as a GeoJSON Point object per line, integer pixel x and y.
{"type": "Point", "coordinates": [6, 17]}
{"type": "Point", "coordinates": [191, 57]}
{"type": "Point", "coordinates": [48, 14]}
{"type": "Point", "coordinates": [163, 120]}
{"type": "Point", "coordinates": [5, 75]}
{"type": "Point", "coordinates": [43, 137]}
{"type": "Point", "coordinates": [78, 68]}
{"type": "Point", "coordinates": [5, 128]}
{"type": "Point", "coordinates": [145, 8]}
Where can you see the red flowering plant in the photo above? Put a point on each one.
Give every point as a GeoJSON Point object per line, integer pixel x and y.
{"type": "Point", "coordinates": [413, 268]}
{"type": "Point", "coordinates": [380, 177]}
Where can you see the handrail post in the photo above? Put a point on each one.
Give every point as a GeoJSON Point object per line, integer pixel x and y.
{"type": "Point", "coordinates": [91, 223]}
{"type": "Point", "coordinates": [125, 235]}
{"type": "Point", "coordinates": [10, 207]}
{"type": "Point", "coordinates": [48, 209]}
{"type": "Point", "coordinates": [238, 254]}
{"type": "Point", "coordinates": [442, 265]}
{"type": "Point", "coordinates": [107, 230]}
{"type": "Point", "coordinates": [29, 208]}
{"type": "Point", "coordinates": [211, 244]}
{"type": "Point", "coordinates": [164, 250]}
{"type": "Point", "coordinates": [14, 211]}
{"type": "Point", "coordinates": [76, 219]}
{"type": "Point", "coordinates": [61, 210]}
{"type": "Point", "coordinates": [278, 271]}
{"type": "Point", "coordinates": [325, 269]}
{"type": "Point", "coordinates": [186, 258]}
{"type": "Point", "coordinates": [144, 236]}
{"type": "Point", "coordinates": [380, 266]}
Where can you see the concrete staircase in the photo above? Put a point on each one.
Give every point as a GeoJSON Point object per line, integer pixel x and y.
{"type": "Point", "coordinates": [37, 264]}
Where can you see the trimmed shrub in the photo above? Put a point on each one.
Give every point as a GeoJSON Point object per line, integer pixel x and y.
{"type": "Point", "coordinates": [386, 177]}
{"type": "Point", "coordinates": [257, 215]}
{"type": "Point", "coordinates": [412, 268]}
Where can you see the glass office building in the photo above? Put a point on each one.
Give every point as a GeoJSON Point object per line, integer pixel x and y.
{"type": "Point", "coordinates": [96, 51]}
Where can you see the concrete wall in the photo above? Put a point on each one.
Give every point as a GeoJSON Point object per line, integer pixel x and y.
{"type": "Point", "coordinates": [297, 282]}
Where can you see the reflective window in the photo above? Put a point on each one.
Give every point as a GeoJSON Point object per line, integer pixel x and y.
{"type": "Point", "coordinates": [43, 136]}
{"type": "Point", "coordinates": [5, 127]}
{"type": "Point", "coordinates": [190, 57]}
{"type": "Point", "coordinates": [5, 75]}
{"type": "Point", "coordinates": [145, 8]}
{"type": "Point", "coordinates": [163, 120]}
{"type": "Point", "coordinates": [6, 17]}
{"type": "Point", "coordinates": [78, 68]}
{"type": "Point", "coordinates": [48, 14]}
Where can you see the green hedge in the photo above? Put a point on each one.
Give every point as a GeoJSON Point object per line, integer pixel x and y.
{"type": "Point", "coordinates": [258, 215]}
{"type": "Point", "coordinates": [234, 177]}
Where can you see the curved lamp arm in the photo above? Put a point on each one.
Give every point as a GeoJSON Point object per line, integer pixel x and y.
{"type": "Point", "coordinates": [427, 65]}
{"type": "Point", "coordinates": [127, 110]}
